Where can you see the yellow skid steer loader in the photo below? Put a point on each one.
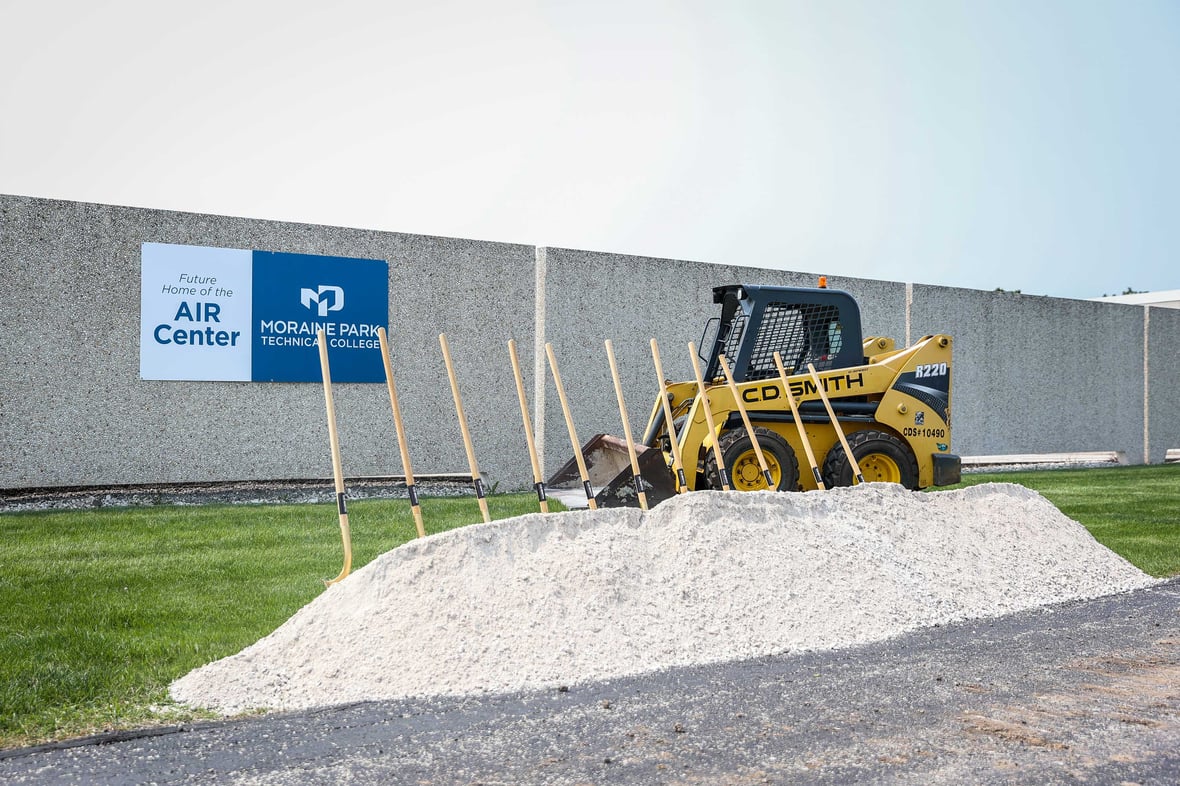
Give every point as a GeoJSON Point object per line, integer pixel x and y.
{"type": "Point", "coordinates": [893, 405]}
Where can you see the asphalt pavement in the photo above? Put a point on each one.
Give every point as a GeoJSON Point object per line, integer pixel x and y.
{"type": "Point", "coordinates": [1084, 692]}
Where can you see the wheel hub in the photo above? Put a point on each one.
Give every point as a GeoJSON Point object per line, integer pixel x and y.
{"type": "Point", "coordinates": [747, 473]}
{"type": "Point", "coordinates": [879, 468]}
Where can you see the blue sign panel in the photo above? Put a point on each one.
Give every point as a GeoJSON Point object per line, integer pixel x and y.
{"type": "Point", "coordinates": [295, 295]}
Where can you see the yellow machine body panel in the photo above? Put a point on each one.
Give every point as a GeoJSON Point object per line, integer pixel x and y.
{"type": "Point", "coordinates": [922, 424]}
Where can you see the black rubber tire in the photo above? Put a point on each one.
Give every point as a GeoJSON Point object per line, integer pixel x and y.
{"type": "Point", "coordinates": [873, 450]}
{"type": "Point", "coordinates": [736, 444]}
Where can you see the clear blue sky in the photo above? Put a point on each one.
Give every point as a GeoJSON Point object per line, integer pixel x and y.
{"type": "Point", "coordinates": [1029, 145]}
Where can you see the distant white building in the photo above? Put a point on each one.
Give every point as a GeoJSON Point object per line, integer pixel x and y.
{"type": "Point", "coordinates": [1168, 298]}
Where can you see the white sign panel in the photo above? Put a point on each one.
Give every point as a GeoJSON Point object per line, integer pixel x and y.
{"type": "Point", "coordinates": [195, 313]}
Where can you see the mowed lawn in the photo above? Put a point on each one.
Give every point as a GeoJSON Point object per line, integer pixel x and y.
{"type": "Point", "coordinates": [103, 608]}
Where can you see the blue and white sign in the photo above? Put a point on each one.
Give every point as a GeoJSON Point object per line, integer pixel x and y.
{"type": "Point", "coordinates": [235, 315]}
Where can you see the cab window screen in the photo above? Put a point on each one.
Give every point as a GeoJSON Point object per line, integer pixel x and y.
{"type": "Point", "coordinates": [733, 340]}
{"type": "Point", "coordinates": [800, 333]}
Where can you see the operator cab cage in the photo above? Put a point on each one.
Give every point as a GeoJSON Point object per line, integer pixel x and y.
{"type": "Point", "coordinates": [817, 326]}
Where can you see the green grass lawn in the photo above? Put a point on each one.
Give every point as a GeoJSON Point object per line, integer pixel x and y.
{"type": "Point", "coordinates": [101, 609]}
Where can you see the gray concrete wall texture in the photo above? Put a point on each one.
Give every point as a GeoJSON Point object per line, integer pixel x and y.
{"type": "Point", "coordinates": [1032, 374]}
{"type": "Point", "coordinates": [1163, 382]}
{"type": "Point", "coordinates": [1037, 374]}
{"type": "Point", "coordinates": [75, 412]}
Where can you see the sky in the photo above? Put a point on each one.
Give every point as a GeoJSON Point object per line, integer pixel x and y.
{"type": "Point", "coordinates": [1030, 145]}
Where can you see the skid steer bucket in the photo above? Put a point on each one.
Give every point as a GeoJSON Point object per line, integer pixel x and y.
{"type": "Point", "coordinates": [609, 467]}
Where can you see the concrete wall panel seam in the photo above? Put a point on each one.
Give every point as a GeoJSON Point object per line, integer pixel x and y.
{"type": "Point", "coordinates": [909, 310]}
{"type": "Point", "coordinates": [1146, 385]}
{"type": "Point", "coordinates": [540, 271]}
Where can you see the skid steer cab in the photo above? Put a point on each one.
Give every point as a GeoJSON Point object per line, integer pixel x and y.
{"type": "Point", "coordinates": [892, 405]}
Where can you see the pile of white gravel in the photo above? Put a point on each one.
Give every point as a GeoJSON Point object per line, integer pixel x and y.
{"type": "Point", "coordinates": [542, 601]}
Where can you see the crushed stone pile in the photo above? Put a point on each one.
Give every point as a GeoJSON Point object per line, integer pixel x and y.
{"type": "Point", "coordinates": [543, 601]}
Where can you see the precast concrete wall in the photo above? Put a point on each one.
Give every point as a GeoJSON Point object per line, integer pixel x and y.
{"type": "Point", "coordinates": [75, 411]}
{"type": "Point", "coordinates": [1162, 338]}
{"type": "Point", "coordinates": [1037, 374]}
{"type": "Point", "coordinates": [1031, 374]}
